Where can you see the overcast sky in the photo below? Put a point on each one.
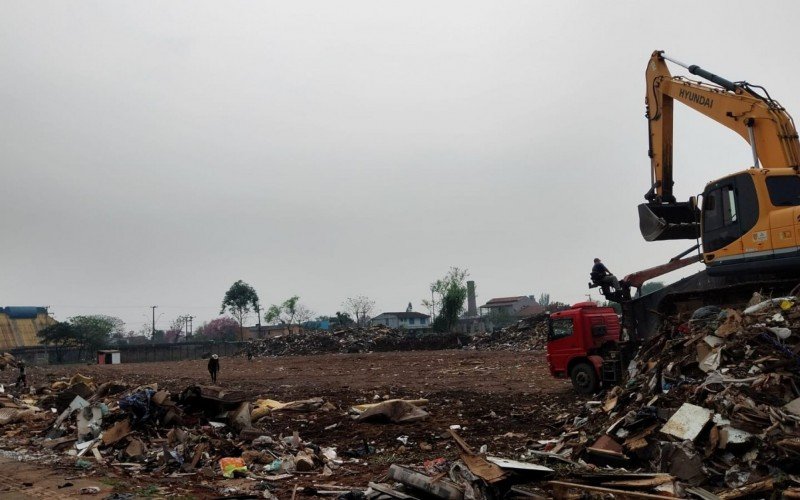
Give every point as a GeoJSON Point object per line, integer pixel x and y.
{"type": "Point", "coordinates": [153, 153]}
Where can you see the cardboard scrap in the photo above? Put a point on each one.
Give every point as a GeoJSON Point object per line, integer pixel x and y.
{"type": "Point", "coordinates": [264, 407]}
{"type": "Point", "coordinates": [688, 422]}
{"type": "Point", "coordinates": [116, 432]}
{"type": "Point", "coordinates": [396, 411]}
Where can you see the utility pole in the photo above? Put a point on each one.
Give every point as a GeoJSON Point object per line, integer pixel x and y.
{"type": "Point", "coordinates": [191, 330]}
{"type": "Point", "coordinates": [153, 335]}
{"type": "Point", "coordinates": [433, 306]}
{"type": "Point", "coordinates": [258, 315]}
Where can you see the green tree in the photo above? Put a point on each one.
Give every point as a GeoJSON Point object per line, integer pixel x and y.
{"type": "Point", "coordinates": [239, 300]}
{"type": "Point", "coordinates": [289, 312]}
{"type": "Point", "coordinates": [455, 277]}
{"type": "Point", "coordinates": [95, 331]}
{"type": "Point", "coordinates": [452, 293]}
{"type": "Point", "coordinates": [343, 319]}
{"type": "Point", "coordinates": [59, 335]}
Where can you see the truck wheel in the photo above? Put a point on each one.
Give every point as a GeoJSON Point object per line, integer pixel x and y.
{"type": "Point", "coordinates": [584, 378]}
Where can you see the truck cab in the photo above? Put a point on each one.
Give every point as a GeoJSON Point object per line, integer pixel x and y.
{"type": "Point", "coordinates": [583, 344]}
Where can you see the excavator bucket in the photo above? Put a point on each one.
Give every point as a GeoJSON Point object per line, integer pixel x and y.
{"type": "Point", "coordinates": [670, 221]}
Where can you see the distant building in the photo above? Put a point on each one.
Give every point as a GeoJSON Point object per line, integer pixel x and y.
{"type": "Point", "coordinates": [19, 326]}
{"type": "Point", "coordinates": [508, 306]}
{"type": "Point", "coordinates": [531, 310]}
{"type": "Point", "coordinates": [408, 320]}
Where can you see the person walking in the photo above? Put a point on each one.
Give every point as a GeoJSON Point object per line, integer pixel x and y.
{"type": "Point", "coordinates": [213, 367]}
{"type": "Point", "coordinates": [22, 379]}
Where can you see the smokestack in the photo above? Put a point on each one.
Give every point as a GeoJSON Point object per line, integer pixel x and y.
{"type": "Point", "coordinates": [472, 306]}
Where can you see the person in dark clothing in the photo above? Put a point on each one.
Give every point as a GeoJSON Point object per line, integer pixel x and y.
{"type": "Point", "coordinates": [22, 379]}
{"type": "Point", "coordinates": [213, 367]}
{"type": "Point", "coordinates": [601, 274]}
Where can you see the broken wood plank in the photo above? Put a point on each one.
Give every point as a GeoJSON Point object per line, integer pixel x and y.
{"type": "Point", "coordinates": [477, 464]}
{"type": "Point", "coordinates": [641, 483]}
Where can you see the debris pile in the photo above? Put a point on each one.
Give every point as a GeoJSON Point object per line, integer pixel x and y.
{"type": "Point", "coordinates": [354, 340]}
{"type": "Point", "coordinates": [528, 334]}
{"type": "Point", "coordinates": [712, 406]}
{"type": "Point", "coordinates": [525, 335]}
{"type": "Point", "coordinates": [204, 431]}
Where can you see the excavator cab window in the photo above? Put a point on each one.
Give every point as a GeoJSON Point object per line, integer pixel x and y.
{"type": "Point", "coordinates": [730, 209]}
{"type": "Point", "coordinates": [784, 190]}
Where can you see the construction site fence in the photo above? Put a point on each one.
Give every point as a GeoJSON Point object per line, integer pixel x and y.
{"type": "Point", "coordinates": [138, 353]}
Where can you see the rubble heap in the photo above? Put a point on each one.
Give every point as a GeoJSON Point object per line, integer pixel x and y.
{"type": "Point", "coordinates": [712, 404]}
{"type": "Point", "coordinates": [525, 335]}
{"type": "Point", "coordinates": [204, 431]}
{"type": "Point", "coordinates": [354, 340]}
{"type": "Point", "coordinates": [528, 334]}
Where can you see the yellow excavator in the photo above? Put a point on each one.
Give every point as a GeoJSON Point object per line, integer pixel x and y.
{"type": "Point", "coordinates": [749, 219]}
{"type": "Point", "coordinates": [748, 222]}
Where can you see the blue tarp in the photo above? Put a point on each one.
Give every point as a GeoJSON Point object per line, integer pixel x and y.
{"type": "Point", "coordinates": [22, 312]}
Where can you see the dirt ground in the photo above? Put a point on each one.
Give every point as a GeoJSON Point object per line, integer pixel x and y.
{"type": "Point", "coordinates": [501, 399]}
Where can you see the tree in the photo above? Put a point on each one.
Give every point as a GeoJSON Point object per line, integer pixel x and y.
{"type": "Point", "coordinates": [289, 312]}
{"type": "Point", "coordinates": [452, 306]}
{"type": "Point", "coordinates": [303, 314]}
{"type": "Point", "coordinates": [651, 286]}
{"type": "Point", "coordinates": [94, 331]}
{"type": "Point", "coordinates": [175, 330]}
{"type": "Point", "coordinates": [544, 299]}
{"type": "Point", "coordinates": [360, 307]}
{"type": "Point", "coordinates": [239, 300]}
{"type": "Point", "coordinates": [439, 288]}
{"type": "Point", "coordinates": [451, 291]}
{"type": "Point", "coordinates": [342, 319]}
{"type": "Point", "coordinates": [223, 328]}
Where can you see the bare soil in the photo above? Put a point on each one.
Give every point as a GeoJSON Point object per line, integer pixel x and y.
{"type": "Point", "coordinates": [502, 399]}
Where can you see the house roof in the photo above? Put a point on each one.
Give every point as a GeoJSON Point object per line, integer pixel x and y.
{"type": "Point", "coordinates": [405, 315]}
{"type": "Point", "coordinates": [531, 310]}
{"type": "Point", "coordinates": [503, 301]}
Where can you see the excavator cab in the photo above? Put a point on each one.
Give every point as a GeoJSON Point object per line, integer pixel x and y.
{"type": "Point", "coordinates": [751, 222]}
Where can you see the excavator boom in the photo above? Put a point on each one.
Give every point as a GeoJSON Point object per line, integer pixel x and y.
{"type": "Point", "coordinates": [758, 119]}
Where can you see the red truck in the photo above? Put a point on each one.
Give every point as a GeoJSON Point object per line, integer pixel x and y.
{"type": "Point", "coordinates": [583, 343]}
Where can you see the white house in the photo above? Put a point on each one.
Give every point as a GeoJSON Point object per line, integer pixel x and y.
{"type": "Point", "coordinates": [408, 320]}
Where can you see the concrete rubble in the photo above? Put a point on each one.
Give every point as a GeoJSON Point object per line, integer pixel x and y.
{"type": "Point", "coordinates": [527, 334]}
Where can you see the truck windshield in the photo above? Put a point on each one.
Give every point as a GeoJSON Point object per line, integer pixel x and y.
{"type": "Point", "coordinates": [784, 190]}
{"type": "Point", "coordinates": [560, 328]}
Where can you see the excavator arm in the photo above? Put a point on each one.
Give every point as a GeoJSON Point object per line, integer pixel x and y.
{"type": "Point", "coordinates": [759, 119]}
